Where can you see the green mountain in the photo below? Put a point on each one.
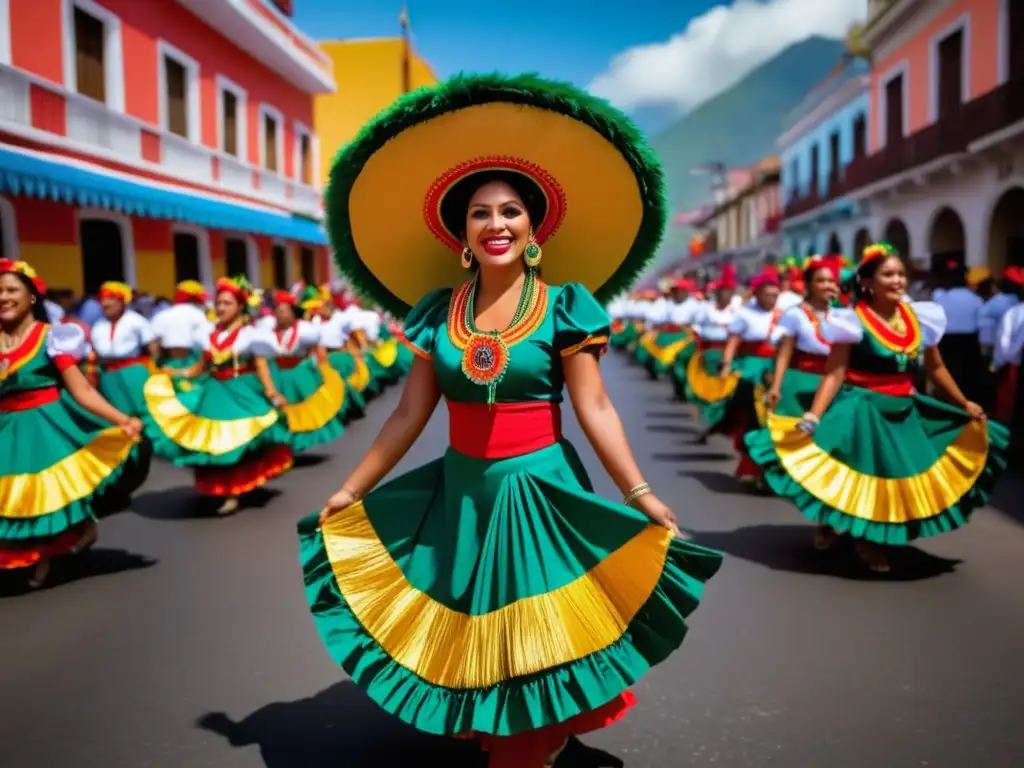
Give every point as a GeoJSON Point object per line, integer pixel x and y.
{"type": "Point", "coordinates": [739, 126]}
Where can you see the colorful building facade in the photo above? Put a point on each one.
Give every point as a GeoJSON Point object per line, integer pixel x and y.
{"type": "Point", "coordinates": [944, 174]}
{"type": "Point", "coordinates": [162, 140]}
{"type": "Point", "coordinates": [821, 137]}
{"type": "Point", "coordinates": [374, 72]}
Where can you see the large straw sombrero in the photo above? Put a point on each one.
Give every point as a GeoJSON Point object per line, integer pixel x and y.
{"type": "Point", "coordinates": [602, 183]}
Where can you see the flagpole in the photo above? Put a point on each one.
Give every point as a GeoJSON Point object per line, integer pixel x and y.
{"type": "Point", "coordinates": [403, 21]}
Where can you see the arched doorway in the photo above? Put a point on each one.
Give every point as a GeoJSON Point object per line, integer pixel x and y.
{"type": "Point", "coordinates": [103, 251]}
{"type": "Point", "coordinates": [279, 259]}
{"type": "Point", "coordinates": [236, 256]}
{"type": "Point", "coordinates": [1006, 231]}
{"type": "Point", "coordinates": [308, 265]}
{"type": "Point", "coordinates": [834, 246]}
{"type": "Point", "coordinates": [861, 240]}
{"type": "Point", "coordinates": [897, 235]}
{"type": "Point", "coordinates": [947, 241]}
{"type": "Point", "coordinates": [187, 262]}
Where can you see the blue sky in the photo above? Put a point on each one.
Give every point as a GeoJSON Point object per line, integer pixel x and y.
{"type": "Point", "coordinates": [563, 39]}
{"type": "Point", "coordinates": [656, 59]}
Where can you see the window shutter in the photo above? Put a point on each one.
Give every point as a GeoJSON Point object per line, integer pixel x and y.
{"type": "Point", "coordinates": [270, 140]}
{"type": "Point", "coordinates": [177, 102]}
{"type": "Point", "coordinates": [230, 105]}
{"type": "Point", "coordinates": [305, 158]}
{"type": "Point", "coordinates": [89, 34]}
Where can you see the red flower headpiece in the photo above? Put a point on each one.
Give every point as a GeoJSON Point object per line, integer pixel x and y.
{"type": "Point", "coordinates": [728, 278]}
{"type": "Point", "coordinates": [190, 290]}
{"type": "Point", "coordinates": [877, 251]}
{"type": "Point", "coordinates": [765, 278]}
{"type": "Point", "coordinates": [115, 290]}
{"type": "Point", "coordinates": [1014, 275]}
{"type": "Point", "coordinates": [25, 269]}
{"type": "Point", "coordinates": [239, 287]}
{"type": "Point", "coordinates": [285, 297]}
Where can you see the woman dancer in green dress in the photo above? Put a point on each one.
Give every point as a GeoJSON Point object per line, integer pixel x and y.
{"type": "Point", "coordinates": [872, 457]}
{"type": "Point", "coordinates": [66, 450]}
{"type": "Point", "coordinates": [491, 591]}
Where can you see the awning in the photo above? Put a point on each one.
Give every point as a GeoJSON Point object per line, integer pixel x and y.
{"type": "Point", "coordinates": [36, 174]}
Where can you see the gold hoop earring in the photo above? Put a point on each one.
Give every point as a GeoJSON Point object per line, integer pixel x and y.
{"type": "Point", "coordinates": [467, 258]}
{"type": "Point", "coordinates": [532, 253]}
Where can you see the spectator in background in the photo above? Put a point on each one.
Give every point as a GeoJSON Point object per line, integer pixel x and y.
{"type": "Point", "coordinates": [959, 346]}
{"type": "Point", "coordinates": [90, 311]}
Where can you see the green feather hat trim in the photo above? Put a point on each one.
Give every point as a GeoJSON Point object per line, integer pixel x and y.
{"type": "Point", "coordinates": [465, 91]}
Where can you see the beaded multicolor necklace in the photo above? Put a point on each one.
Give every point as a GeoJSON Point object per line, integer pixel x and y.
{"type": "Point", "coordinates": [485, 354]}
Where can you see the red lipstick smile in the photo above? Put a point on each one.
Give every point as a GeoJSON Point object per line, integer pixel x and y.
{"type": "Point", "coordinates": [496, 246]}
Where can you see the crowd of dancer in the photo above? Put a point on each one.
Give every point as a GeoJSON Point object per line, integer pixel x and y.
{"type": "Point", "coordinates": [233, 390]}
{"type": "Point", "coordinates": [818, 375]}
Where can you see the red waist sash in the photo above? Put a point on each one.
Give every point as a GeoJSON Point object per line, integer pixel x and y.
{"type": "Point", "coordinates": [110, 364]}
{"type": "Point", "coordinates": [670, 327]}
{"type": "Point", "coordinates": [223, 374]}
{"type": "Point", "coordinates": [808, 363]}
{"type": "Point", "coordinates": [287, 362]}
{"type": "Point", "coordinates": [762, 348]}
{"type": "Point", "coordinates": [503, 430]}
{"type": "Point", "coordinates": [28, 399]}
{"type": "Point", "coordinates": [704, 345]}
{"type": "Point", "coordinates": [896, 384]}
{"type": "Point", "coordinates": [177, 353]}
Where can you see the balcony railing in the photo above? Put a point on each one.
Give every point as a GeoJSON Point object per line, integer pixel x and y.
{"type": "Point", "coordinates": [92, 123]}
{"type": "Point", "coordinates": [14, 99]}
{"type": "Point", "coordinates": [190, 160]}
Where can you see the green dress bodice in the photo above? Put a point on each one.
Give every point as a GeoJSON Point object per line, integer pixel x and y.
{"type": "Point", "coordinates": [28, 369]}
{"type": "Point", "coordinates": [572, 317]}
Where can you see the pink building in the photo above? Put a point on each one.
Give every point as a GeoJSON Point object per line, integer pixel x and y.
{"type": "Point", "coordinates": [945, 172]}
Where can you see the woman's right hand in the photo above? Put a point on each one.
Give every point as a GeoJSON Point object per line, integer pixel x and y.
{"type": "Point", "coordinates": [343, 499]}
{"type": "Point", "coordinates": [659, 512]}
{"type": "Point", "coordinates": [771, 400]}
{"type": "Point", "coordinates": [726, 371]}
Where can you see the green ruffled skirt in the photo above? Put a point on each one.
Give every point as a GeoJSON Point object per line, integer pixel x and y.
{"type": "Point", "coordinates": [882, 468]}
{"type": "Point", "coordinates": [123, 388]}
{"type": "Point", "coordinates": [664, 350]}
{"type": "Point", "coordinates": [316, 402]}
{"type": "Point", "coordinates": [679, 369]}
{"type": "Point", "coordinates": [724, 403]}
{"type": "Point", "coordinates": [624, 337]}
{"type": "Point", "coordinates": [497, 597]}
{"type": "Point", "coordinates": [355, 404]}
{"type": "Point", "coordinates": [61, 466]}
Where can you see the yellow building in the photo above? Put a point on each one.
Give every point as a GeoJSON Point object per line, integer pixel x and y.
{"type": "Point", "coordinates": [370, 75]}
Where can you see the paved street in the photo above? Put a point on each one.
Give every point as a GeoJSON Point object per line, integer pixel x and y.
{"type": "Point", "coordinates": [183, 641]}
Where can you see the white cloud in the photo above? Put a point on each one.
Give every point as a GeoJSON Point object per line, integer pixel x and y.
{"type": "Point", "coordinates": [717, 49]}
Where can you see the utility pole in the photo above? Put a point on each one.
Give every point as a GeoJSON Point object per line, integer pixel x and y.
{"type": "Point", "coordinates": [403, 21]}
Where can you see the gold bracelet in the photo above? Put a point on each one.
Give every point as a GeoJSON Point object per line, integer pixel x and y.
{"type": "Point", "coordinates": [635, 493]}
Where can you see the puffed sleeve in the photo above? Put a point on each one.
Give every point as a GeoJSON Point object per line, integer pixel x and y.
{"type": "Point", "coordinates": [580, 322]}
{"type": "Point", "coordinates": [739, 323]}
{"type": "Point", "coordinates": [843, 327]}
{"type": "Point", "coordinates": [932, 318]}
{"type": "Point", "coordinates": [309, 334]}
{"type": "Point", "coordinates": [423, 321]}
{"type": "Point", "coordinates": [789, 321]}
{"type": "Point", "coordinates": [143, 330]}
{"type": "Point", "coordinates": [66, 345]}
{"type": "Point", "coordinates": [258, 342]}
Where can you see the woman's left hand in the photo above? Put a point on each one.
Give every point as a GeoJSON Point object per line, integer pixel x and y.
{"type": "Point", "coordinates": [725, 373]}
{"type": "Point", "coordinates": [659, 512]}
{"type": "Point", "coordinates": [132, 427]}
{"type": "Point", "coordinates": [974, 410]}
{"type": "Point", "coordinates": [278, 400]}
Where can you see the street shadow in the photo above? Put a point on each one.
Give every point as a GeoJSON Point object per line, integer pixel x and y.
{"type": "Point", "coordinates": [693, 456]}
{"type": "Point", "coordinates": [718, 482]}
{"type": "Point", "coordinates": [340, 728]}
{"type": "Point", "coordinates": [789, 548]}
{"type": "Point", "coordinates": [680, 414]}
{"type": "Point", "coordinates": [308, 460]}
{"type": "Point", "coordinates": [673, 429]}
{"type": "Point", "coordinates": [1007, 495]}
{"type": "Point", "coordinates": [175, 504]}
{"type": "Point", "coordinates": [66, 570]}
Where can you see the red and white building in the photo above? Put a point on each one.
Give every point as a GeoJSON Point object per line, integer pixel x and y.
{"type": "Point", "coordinates": [157, 140]}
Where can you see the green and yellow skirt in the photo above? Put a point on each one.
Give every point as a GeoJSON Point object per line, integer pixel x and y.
{"type": "Point", "coordinates": [498, 596]}
{"type": "Point", "coordinates": [886, 468]}
{"type": "Point", "coordinates": [224, 428]}
{"type": "Point", "coordinates": [316, 400]}
{"type": "Point", "coordinates": [122, 383]}
{"type": "Point", "coordinates": [680, 366]}
{"type": "Point", "coordinates": [345, 364]}
{"type": "Point", "coordinates": [623, 333]}
{"type": "Point", "coordinates": [664, 349]}
{"type": "Point", "coordinates": [61, 468]}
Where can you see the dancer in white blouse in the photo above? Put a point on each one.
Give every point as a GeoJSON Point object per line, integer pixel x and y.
{"type": "Point", "coordinates": [125, 346]}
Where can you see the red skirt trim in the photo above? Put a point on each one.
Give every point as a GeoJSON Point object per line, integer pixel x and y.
{"type": "Point", "coordinates": [27, 554]}
{"type": "Point", "coordinates": [248, 475]}
{"type": "Point", "coordinates": [1006, 394]}
{"type": "Point", "coordinates": [533, 747]}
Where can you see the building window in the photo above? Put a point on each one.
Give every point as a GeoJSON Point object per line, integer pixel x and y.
{"type": "Point", "coordinates": [303, 155]}
{"type": "Point", "coordinates": [815, 169]}
{"type": "Point", "coordinates": [279, 257]}
{"type": "Point", "coordinates": [236, 254]}
{"type": "Point", "coordinates": [308, 261]}
{"type": "Point", "coordinates": [8, 231]}
{"type": "Point", "coordinates": [187, 264]}
{"type": "Point", "coordinates": [834, 166]}
{"type": "Point", "coordinates": [89, 60]}
{"type": "Point", "coordinates": [894, 128]}
{"type": "Point", "coordinates": [92, 52]}
{"type": "Point", "coordinates": [231, 101]}
{"type": "Point", "coordinates": [271, 139]}
{"type": "Point", "coordinates": [1015, 38]}
{"type": "Point", "coordinates": [951, 74]}
{"type": "Point", "coordinates": [178, 81]}
{"type": "Point", "coordinates": [860, 136]}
